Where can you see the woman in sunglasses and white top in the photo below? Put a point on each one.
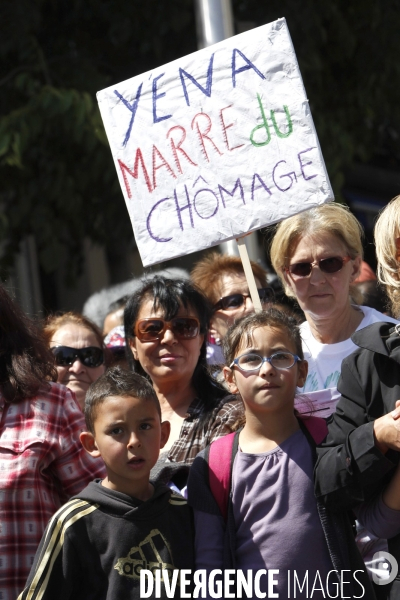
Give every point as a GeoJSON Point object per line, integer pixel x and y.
{"type": "Point", "coordinates": [317, 254]}
{"type": "Point", "coordinates": [78, 349]}
{"type": "Point", "coordinates": [166, 325]}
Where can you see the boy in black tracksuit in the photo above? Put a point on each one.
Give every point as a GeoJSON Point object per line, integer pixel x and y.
{"type": "Point", "coordinates": [96, 545]}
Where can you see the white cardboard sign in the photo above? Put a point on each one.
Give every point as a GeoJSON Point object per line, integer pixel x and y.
{"type": "Point", "coordinates": [215, 144]}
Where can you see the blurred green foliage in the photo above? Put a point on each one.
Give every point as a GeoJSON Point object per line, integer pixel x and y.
{"type": "Point", "coordinates": [57, 177]}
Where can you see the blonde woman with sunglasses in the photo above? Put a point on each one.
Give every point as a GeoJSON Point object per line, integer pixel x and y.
{"type": "Point", "coordinates": [317, 254]}
{"type": "Point", "coordinates": [360, 459]}
{"type": "Point", "coordinates": [166, 327]}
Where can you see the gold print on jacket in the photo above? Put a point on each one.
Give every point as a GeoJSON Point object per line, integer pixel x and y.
{"type": "Point", "coordinates": [147, 555]}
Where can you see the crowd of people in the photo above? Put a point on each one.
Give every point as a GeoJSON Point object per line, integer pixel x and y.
{"type": "Point", "coordinates": [195, 433]}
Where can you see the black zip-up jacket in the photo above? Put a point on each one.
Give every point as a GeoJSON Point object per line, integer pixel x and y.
{"type": "Point", "coordinates": [350, 468]}
{"type": "Point", "coordinates": [95, 545]}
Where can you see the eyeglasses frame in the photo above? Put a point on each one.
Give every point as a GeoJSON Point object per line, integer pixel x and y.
{"type": "Point", "coordinates": [167, 325]}
{"type": "Point", "coordinates": [217, 306]}
{"type": "Point", "coordinates": [316, 263]}
{"type": "Point", "coordinates": [76, 356]}
{"type": "Point", "coordinates": [268, 359]}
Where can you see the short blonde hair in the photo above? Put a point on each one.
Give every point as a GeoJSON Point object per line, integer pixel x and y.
{"type": "Point", "coordinates": [387, 229]}
{"type": "Point", "coordinates": [327, 218]}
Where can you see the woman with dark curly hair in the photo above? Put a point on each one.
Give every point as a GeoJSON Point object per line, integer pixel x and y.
{"type": "Point", "coordinates": [42, 462]}
{"type": "Point", "coordinates": [166, 325]}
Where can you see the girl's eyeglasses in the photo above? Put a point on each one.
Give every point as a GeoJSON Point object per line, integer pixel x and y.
{"type": "Point", "coordinates": [330, 265]}
{"type": "Point", "coordinates": [65, 356]}
{"type": "Point", "coordinates": [235, 301]}
{"type": "Point", "coordinates": [150, 330]}
{"type": "Point", "coordinates": [254, 362]}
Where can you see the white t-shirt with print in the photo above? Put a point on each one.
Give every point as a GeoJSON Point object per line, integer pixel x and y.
{"type": "Point", "coordinates": [324, 365]}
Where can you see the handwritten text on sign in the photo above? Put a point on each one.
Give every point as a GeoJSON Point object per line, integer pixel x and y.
{"type": "Point", "coordinates": [215, 144]}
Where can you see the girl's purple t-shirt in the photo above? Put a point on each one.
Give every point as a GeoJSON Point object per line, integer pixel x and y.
{"type": "Point", "coordinates": [276, 516]}
{"type": "Point", "coordinates": [277, 522]}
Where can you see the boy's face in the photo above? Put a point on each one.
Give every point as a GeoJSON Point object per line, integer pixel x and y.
{"type": "Point", "coordinates": [128, 436]}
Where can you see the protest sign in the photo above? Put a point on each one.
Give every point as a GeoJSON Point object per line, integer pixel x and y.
{"type": "Point", "coordinates": [215, 145]}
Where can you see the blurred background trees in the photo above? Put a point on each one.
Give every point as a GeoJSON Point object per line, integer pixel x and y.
{"type": "Point", "coordinates": [57, 178]}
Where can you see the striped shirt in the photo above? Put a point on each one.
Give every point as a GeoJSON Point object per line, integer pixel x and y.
{"type": "Point", "coordinates": [96, 545]}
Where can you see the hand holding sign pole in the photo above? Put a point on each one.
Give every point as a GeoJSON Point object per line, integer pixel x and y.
{"type": "Point", "coordinates": [215, 145]}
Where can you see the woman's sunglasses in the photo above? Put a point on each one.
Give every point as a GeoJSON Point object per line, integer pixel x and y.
{"type": "Point", "coordinates": [330, 265]}
{"type": "Point", "coordinates": [235, 301]}
{"type": "Point", "coordinates": [150, 330]}
{"type": "Point", "coordinates": [65, 356]}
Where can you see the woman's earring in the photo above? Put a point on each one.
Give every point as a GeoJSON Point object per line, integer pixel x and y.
{"type": "Point", "coordinates": [218, 341]}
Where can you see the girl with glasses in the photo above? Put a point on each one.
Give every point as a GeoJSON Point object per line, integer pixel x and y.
{"type": "Point", "coordinates": [272, 518]}
{"type": "Point", "coordinates": [166, 327]}
{"type": "Point", "coordinates": [78, 349]}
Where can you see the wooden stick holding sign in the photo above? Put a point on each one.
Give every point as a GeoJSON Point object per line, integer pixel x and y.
{"type": "Point", "coordinates": [248, 271]}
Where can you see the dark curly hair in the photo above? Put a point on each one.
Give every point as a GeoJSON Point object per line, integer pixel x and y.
{"type": "Point", "coordinates": [25, 361]}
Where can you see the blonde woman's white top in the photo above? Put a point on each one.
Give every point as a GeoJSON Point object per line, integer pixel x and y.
{"type": "Point", "coordinates": [324, 365]}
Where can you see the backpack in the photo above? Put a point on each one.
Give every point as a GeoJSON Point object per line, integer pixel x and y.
{"type": "Point", "coordinates": [222, 453]}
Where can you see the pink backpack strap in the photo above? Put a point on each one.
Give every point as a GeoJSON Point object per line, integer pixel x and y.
{"type": "Point", "coordinates": [220, 460]}
{"type": "Point", "coordinates": [317, 428]}
{"type": "Point", "coordinates": [219, 469]}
